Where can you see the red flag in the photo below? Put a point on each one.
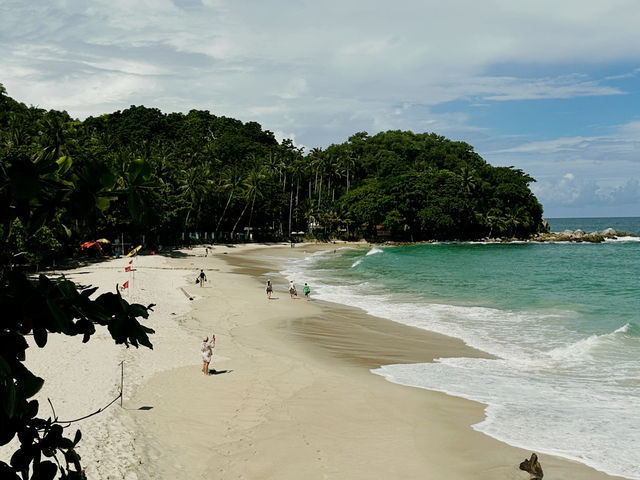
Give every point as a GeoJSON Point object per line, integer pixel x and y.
{"type": "Point", "coordinates": [127, 269]}
{"type": "Point", "coordinates": [130, 261]}
{"type": "Point", "coordinates": [125, 284]}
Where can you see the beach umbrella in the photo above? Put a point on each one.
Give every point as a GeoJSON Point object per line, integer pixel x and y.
{"type": "Point", "coordinates": [87, 244]}
{"type": "Point", "coordinates": [102, 240]}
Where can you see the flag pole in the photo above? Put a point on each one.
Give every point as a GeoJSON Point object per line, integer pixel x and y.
{"type": "Point", "coordinates": [121, 381]}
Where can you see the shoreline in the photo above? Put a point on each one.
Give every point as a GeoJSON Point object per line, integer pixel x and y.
{"type": "Point", "coordinates": [376, 355]}
{"type": "Point", "coordinates": [297, 397]}
{"type": "Point", "coordinates": [293, 395]}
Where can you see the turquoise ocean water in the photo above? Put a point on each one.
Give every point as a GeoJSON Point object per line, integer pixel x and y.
{"type": "Point", "coordinates": [562, 319]}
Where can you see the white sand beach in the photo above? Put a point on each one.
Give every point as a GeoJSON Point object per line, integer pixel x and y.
{"type": "Point", "coordinates": [293, 396]}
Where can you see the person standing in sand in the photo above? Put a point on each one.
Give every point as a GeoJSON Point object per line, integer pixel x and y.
{"type": "Point", "coordinates": [269, 289]}
{"type": "Point", "coordinates": [206, 350]}
{"type": "Point", "coordinates": [292, 289]}
{"type": "Point", "coordinates": [202, 278]}
{"type": "Point", "coordinates": [307, 291]}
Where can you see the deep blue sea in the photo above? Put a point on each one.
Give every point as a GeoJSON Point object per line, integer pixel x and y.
{"type": "Point", "coordinates": [562, 319]}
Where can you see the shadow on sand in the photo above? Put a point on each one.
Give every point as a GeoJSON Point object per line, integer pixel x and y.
{"type": "Point", "coordinates": [143, 408]}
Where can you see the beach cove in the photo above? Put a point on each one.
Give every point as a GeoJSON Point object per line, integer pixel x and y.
{"type": "Point", "coordinates": [294, 396]}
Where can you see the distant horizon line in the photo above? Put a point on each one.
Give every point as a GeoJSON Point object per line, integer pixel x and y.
{"type": "Point", "coordinates": [599, 216]}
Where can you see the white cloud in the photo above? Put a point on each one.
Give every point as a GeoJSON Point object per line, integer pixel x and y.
{"type": "Point", "coordinates": [280, 136]}
{"type": "Point", "coordinates": [368, 48]}
{"type": "Point", "coordinates": [561, 87]}
{"type": "Point", "coordinates": [572, 193]}
{"type": "Point", "coordinates": [128, 66]}
{"type": "Point", "coordinates": [630, 129]}
{"type": "Point", "coordinates": [321, 71]}
{"type": "Point", "coordinates": [294, 88]}
{"type": "Point", "coordinates": [555, 145]}
{"type": "Point", "coordinates": [417, 52]}
{"type": "Point", "coordinates": [604, 178]}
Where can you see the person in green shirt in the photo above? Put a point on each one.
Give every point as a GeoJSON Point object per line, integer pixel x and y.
{"type": "Point", "coordinates": [306, 290]}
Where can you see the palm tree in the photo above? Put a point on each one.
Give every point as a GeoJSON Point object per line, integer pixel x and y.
{"type": "Point", "coordinates": [193, 188]}
{"type": "Point", "coordinates": [347, 163]}
{"type": "Point", "coordinates": [16, 134]}
{"type": "Point", "coordinates": [309, 213]}
{"type": "Point", "coordinates": [334, 172]}
{"type": "Point", "coordinates": [493, 220]}
{"type": "Point", "coordinates": [231, 180]}
{"type": "Point", "coordinates": [515, 219]}
{"type": "Point", "coordinates": [253, 188]}
{"type": "Point", "coordinates": [344, 217]}
{"type": "Point", "coordinates": [296, 170]}
{"type": "Point", "coordinates": [53, 136]}
{"type": "Point", "coordinates": [318, 163]}
{"type": "Point", "coordinates": [468, 180]}
{"type": "Point", "coordinates": [313, 159]}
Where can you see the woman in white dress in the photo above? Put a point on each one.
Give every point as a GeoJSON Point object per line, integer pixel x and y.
{"type": "Point", "coordinates": [206, 349]}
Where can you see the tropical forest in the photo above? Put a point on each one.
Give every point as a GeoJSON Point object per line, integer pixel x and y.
{"type": "Point", "coordinates": [142, 176]}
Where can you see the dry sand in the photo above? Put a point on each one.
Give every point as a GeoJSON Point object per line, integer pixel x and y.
{"type": "Point", "coordinates": [293, 397]}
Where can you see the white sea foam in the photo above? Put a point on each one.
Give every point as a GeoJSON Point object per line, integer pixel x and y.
{"type": "Point", "coordinates": [578, 390]}
{"type": "Point", "coordinates": [374, 250]}
{"type": "Point", "coordinates": [623, 239]}
{"type": "Point", "coordinates": [593, 423]}
{"type": "Point", "coordinates": [624, 329]}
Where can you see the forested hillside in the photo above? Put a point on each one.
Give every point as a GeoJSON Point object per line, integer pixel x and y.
{"type": "Point", "coordinates": [171, 176]}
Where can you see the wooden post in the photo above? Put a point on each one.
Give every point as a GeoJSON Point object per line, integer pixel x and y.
{"type": "Point", "coordinates": [121, 381]}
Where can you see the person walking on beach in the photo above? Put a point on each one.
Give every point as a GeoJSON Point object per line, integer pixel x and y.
{"type": "Point", "coordinates": [206, 350]}
{"type": "Point", "coordinates": [269, 289]}
{"type": "Point", "coordinates": [292, 289]}
{"type": "Point", "coordinates": [306, 290]}
{"type": "Point", "coordinates": [201, 278]}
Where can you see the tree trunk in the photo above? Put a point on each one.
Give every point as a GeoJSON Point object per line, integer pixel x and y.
{"type": "Point", "coordinates": [186, 220]}
{"type": "Point", "coordinates": [290, 208]}
{"type": "Point", "coordinates": [253, 202]}
{"type": "Point", "coordinates": [224, 211]}
{"type": "Point", "coordinates": [233, 232]}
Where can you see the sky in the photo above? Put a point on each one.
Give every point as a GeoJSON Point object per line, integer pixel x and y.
{"type": "Point", "coordinates": [550, 87]}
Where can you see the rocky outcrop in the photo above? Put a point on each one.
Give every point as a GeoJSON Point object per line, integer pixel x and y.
{"type": "Point", "coordinates": [580, 236]}
{"type": "Point", "coordinates": [545, 227]}
{"type": "Point", "coordinates": [532, 466]}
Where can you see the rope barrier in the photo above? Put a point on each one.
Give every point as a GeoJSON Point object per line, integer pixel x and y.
{"type": "Point", "coordinates": [120, 396]}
